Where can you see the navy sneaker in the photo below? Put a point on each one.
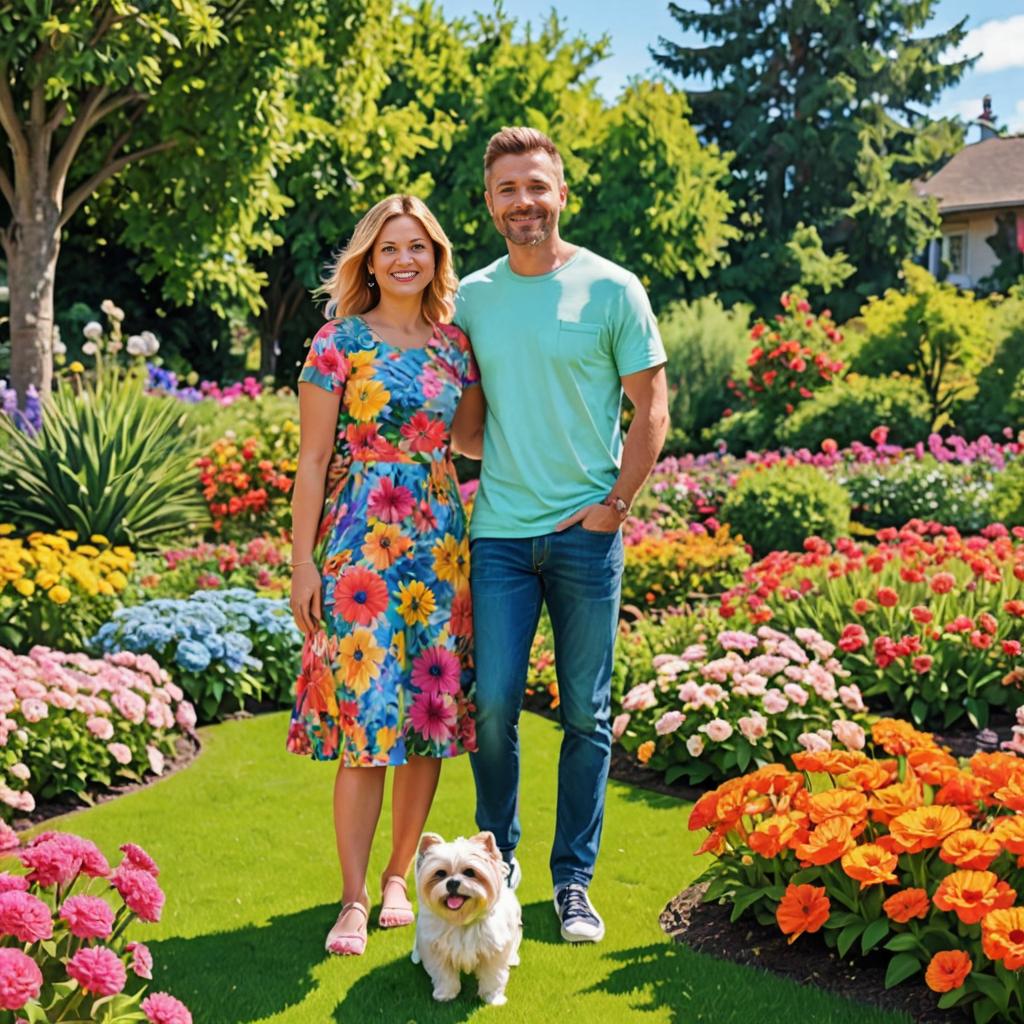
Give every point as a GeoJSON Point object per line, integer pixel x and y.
{"type": "Point", "coordinates": [514, 874]}
{"type": "Point", "coordinates": [580, 921]}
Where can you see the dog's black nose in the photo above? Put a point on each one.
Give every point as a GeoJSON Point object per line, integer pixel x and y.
{"type": "Point", "coordinates": [452, 885]}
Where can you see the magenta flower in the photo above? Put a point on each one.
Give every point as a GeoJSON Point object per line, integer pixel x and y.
{"type": "Point", "coordinates": [142, 959]}
{"type": "Point", "coordinates": [389, 503]}
{"type": "Point", "coordinates": [160, 1008]}
{"type": "Point", "coordinates": [20, 979]}
{"type": "Point", "coordinates": [136, 858]}
{"type": "Point", "coordinates": [88, 917]}
{"type": "Point", "coordinates": [98, 970]}
{"type": "Point", "coordinates": [24, 916]}
{"type": "Point", "coordinates": [436, 670]}
{"type": "Point", "coordinates": [433, 716]}
{"type": "Point", "coordinates": [140, 892]}
{"type": "Point", "coordinates": [8, 838]}
{"type": "Point", "coordinates": [13, 883]}
{"type": "Point", "coordinates": [50, 864]}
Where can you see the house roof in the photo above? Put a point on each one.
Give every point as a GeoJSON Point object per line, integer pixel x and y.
{"type": "Point", "coordinates": [982, 176]}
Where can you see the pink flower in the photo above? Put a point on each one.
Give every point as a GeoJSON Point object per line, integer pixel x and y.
{"type": "Point", "coordinates": [669, 722]}
{"type": "Point", "coordinates": [88, 917]}
{"type": "Point", "coordinates": [434, 715]}
{"type": "Point", "coordinates": [718, 730]}
{"type": "Point", "coordinates": [796, 693]}
{"type": "Point", "coordinates": [101, 728]}
{"type": "Point", "coordinates": [13, 883]}
{"type": "Point", "coordinates": [24, 916]}
{"type": "Point", "coordinates": [140, 892]}
{"type": "Point", "coordinates": [619, 725]}
{"type": "Point", "coordinates": [120, 753]}
{"type": "Point", "coordinates": [185, 716]}
{"type": "Point", "coordinates": [50, 864]}
{"type": "Point", "coordinates": [142, 960]}
{"type": "Point", "coordinates": [774, 702]}
{"type": "Point", "coordinates": [851, 697]}
{"type": "Point", "coordinates": [850, 734]}
{"type": "Point", "coordinates": [98, 970]}
{"type": "Point", "coordinates": [20, 979]}
{"type": "Point", "coordinates": [695, 745]}
{"type": "Point", "coordinates": [34, 710]}
{"type": "Point", "coordinates": [436, 670]}
{"type": "Point", "coordinates": [814, 742]}
{"type": "Point", "coordinates": [136, 858]}
{"type": "Point", "coordinates": [160, 1008]}
{"type": "Point", "coordinates": [156, 760]}
{"type": "Point", "coordinates": [753, 726]}
{"type": "Point", "coordinates": [389, 503]}
{"type": "Point", "coordinates": [8, 838]}
{"type": "Point", "coordinates": [640, 698]}
{"type": "Point", "coordinates": [20, 771]}
{"type": "Point", "coordinates": [689, 692]}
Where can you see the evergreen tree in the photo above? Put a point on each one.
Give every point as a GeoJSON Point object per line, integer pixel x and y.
{"type": "Point", "coordinates": [822, 104]}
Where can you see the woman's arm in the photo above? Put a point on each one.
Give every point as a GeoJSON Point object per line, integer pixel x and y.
{"type": "Point", "coordinates": [318, 422]}
{"type": "Point", "coordinates": [468, 423]}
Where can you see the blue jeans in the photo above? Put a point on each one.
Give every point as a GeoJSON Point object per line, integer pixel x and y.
{"type": "Point", "coordinates": [578, 574]}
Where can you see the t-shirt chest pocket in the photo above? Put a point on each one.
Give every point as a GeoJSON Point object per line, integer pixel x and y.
{"type": "Point", "coordinates": [578, 341]}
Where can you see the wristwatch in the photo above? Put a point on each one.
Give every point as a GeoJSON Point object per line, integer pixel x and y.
{"type": "Point", "coordinates": [617, 503]}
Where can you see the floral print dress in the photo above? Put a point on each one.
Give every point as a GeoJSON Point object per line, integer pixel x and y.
{"type": "Point", "coordinates": [391, 673]}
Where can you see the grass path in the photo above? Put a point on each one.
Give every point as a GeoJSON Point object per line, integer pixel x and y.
{"type": "Point", "coordinates": [245, 844]}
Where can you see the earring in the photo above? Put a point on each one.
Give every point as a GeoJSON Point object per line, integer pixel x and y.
{"type": "Point", "coordinates": [370, 283]}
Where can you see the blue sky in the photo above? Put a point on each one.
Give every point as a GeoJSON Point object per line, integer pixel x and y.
{"type": "Point", "coordinates": [996, 26]}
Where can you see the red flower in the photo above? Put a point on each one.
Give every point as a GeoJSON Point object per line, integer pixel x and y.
{"type": "Point", "coordinates": [942, 582]}
{"type": "Point", "coordinates": [879, 435]}
{"type": "Point", "coordinates": [1014, 608]}
{"type": "Point", "coordinates": [1011, 647]}
{"type": "Point", "coordinates": [862, 606]}
{"type": "Point", "coordinates": [423, 433]}
{"type": "Point", "coordinates": [922, 664]}
{"type": "Point", "coordinates": [887, 597]}
{"type": "Point", "coordinates": [360, 595]}
{"type": "Point", "coordinates": [853, 638]}
{"type": "Point", "coordinates": [921, 614]}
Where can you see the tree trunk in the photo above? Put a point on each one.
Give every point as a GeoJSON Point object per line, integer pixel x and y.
{"type": "Point", "coordinates": [32, 246]}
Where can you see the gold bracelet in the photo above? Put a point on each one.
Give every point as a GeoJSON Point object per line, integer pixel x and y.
{"type": "Point", "coordinates": [294, 564]}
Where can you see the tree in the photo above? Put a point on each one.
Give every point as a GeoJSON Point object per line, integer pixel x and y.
{"type": "Point", "coordinates": [821, 103]}
{"type": "Point", "coordinates": [91, 91]}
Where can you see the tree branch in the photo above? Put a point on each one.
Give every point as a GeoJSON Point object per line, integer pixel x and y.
{"type": "Point", "coordinates": [86, 189]}
{"type": "Point", "coordinates": [83, 122]}
{"type": "Point", "coordinates": [12, 127]}
{"type": "Point", "coordinates": [7, 188]}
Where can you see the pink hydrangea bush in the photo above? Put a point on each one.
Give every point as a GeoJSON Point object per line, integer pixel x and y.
{"type": "Point", "coordinates": [744, 699]}
{"type": "Point", "coordinates": [70, 723]}
{"type": "Point", "coordinates": [63, 954]}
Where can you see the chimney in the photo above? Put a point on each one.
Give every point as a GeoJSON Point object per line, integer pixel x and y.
{"type": "Point", "coordinates": [987, 121]}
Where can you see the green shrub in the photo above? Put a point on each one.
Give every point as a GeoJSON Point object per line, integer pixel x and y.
{"type": "Point", "coordinates": [850, 409]}
{"type": "Point", "coordinates": [947, 493]}
{"type": "Point", "coordinates": [706, 345]}
{"type": "Point", "coordinates": [108, 460]}
{"type": "Point", "coordinates": [273, 417]}
{"type": "Point", "coordinates": [1006, 504]}
{"type": "Point", "coordinates": [779, 507]}
{"type": "Point", "coordinates": [740, 432]}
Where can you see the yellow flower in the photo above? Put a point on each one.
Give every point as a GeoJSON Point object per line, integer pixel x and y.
{"type": "Point", "coordinates": [76, 367]}
{"type": "Point", "coordinates": [117, 580]}
{"type": "Point", "coordinates": [60, 594]}
{"type": "Point", "coordinates": [68, 534]}
{"type": "Point", "coordinates": [386, 738]}
{"type": "Point", "coordinates": [25, 587]}
{"type": "Point", "coordinates": [416, 602]}
{"type": "Point", "coordinates": [362, 364]}
{"type": "Point", "coordinates": [46, 579]}
{"type": "Point", "coordinates": [88, 550]}
{"type": "Point", "coordinates": [365, 398]}
{"type": "Point", "coordinates": [359, 658]}
{"type": "Point", "coordinates": [98, 538]}
{"type": "Point", "coordinates": [398, 647]}
{"type": "Point", "coordinates": [6, 529]}
{"type": "Point", "coordinates": [451, 560]}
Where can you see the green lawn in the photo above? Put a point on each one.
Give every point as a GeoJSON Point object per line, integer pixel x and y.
{"type": "Point", "coordinates": [245, 843]}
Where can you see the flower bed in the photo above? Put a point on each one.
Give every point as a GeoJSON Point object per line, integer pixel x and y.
{"type": "Point", "coordinates": [813, 850]}
{"type": "Point", "coordinates": [928, 621]}
{"type": "Point", "coordinates": [739, 699]}
{"type": "Point", "coordinates": [221, 647]}
{"type": "Point", "coordinates": [63, 955]}
{"type": "Point", "coordinates": [54, 593]}
{"type": "Point", "coordinates": [70, 723]}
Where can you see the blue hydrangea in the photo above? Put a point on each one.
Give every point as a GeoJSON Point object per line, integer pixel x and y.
{"type": "Point", "coordinates": [192, 655]}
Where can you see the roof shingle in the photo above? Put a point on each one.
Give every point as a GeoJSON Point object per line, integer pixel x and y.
{"type": "Point", "coordinates": [983, 175]}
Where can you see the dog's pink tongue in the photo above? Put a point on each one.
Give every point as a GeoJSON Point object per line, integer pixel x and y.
{"type": "Point", "coordinates": [454, 902]}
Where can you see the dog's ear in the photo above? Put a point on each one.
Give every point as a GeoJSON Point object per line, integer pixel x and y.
{"type": "Point", "coordinates": [427, 840]}
{"type": "Point", "coordinates": [488, 842]}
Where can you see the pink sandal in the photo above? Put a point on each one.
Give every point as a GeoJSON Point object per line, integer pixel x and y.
{"type": "Point", "coordinates": [348, 943]}
{"type": "Point", "coordinates": [392, 916]}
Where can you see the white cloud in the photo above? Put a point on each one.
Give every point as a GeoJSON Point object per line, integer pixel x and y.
{"type": "Point", "coordinates": [966, 110]}
{"type": "Point", "coordinates": [1016, 124]}
{"type": "Point", "coordinates": [1000, 43]}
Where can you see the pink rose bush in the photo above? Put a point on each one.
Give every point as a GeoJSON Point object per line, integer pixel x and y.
{"type": "Point", "coordinates": [62, 950]}
{"type": "Point", "coordinates": [69, 723]}
{"type": "Point", "coordinates": [740, 700]}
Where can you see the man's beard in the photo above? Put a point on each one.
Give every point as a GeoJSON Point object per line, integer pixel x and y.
{"type": "Point", "coordinates": [531, 236]}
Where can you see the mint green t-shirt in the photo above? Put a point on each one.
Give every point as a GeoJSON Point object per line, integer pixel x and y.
{"type": "Point", "coordinates": [551, 351]}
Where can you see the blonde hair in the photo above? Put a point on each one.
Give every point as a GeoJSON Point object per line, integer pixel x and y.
{"type": "Point", "coordinates": [518, 141]}
{"type": "Point", "coordinates": [347, 284]}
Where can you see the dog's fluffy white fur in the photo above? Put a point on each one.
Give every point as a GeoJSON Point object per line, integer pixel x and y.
{"type": "Point", "coordinates": [469, 919]}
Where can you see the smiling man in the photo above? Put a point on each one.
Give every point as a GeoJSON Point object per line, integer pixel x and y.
{"type": "Point", "coordinates": [559, 334]}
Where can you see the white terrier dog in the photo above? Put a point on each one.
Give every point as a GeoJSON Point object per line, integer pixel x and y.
{"type": "Point", "coordinates": [469, 919]}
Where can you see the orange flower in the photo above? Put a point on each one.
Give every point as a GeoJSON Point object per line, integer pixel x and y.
{"type": "Point", "coordinates": [934, 767]}
{"type": "Point", "coordinates": [885, 804]}
{"type": "Point", "coordinates": [704, 811]}
{"type": "Point", "coordinates": [838, 803]}
{"type": "Point", "coordinates": [996, 769]}
{"type": "Point", "coordinates": [897, 737]}
{"type": "Point", "coordinates": [1002, 936]}
{"type": "Point", "coordinates": [835, 762]}
{"type": "Point", "coordinates": [926, 827]}
{"type": "Point", "coordinates": [1009, 830]}
{"type": "Point", "coordinates": [869, 776]}
{"type": "Point", "coordinates": [774, 834]}
{"type": "Point", "coordinates": [828, 842]}
{"type": "Point", "coordinates": [972, 894]}
{"type": "Point", "coordinates": [645, 751]}
{"type": "Point", "coordinates": [947, 970]}
{"type": "Point", "coordinates": [714, 842]}
{"type": "Point", "coordinates": [905, 904]}
{"type": "Point", "coordinates": [360, 596]}
{"type": "Point", "coordinates": [870, 864]}
{"type": "Point", "coordinates": [970, 849]}
{"type": "Point", "coordinates": [803, 908]}
{"type": "Point", "coordinates": [962, 790]}
{"type": "Point", "coordinates": [384, 544]}
{"type": "Point", "coordinates": [1012, 793]}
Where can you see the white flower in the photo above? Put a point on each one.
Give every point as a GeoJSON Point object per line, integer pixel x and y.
{"type": "Point", "coordinates": [90, 348]}
{"type": "Point", "coordinates": [136, 346]}
{"type": "Point", "coordinates": [150, 342]}
{"type": "Point", "coordinates": [59, 348]}
{"type": "Point", "coordinates": [114, 312]}
{"type": "Point", "coordinates": [93, 329]}
{"type": "Point", "coordinates": [695, 745]}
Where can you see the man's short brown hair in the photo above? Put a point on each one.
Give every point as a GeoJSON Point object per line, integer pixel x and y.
{"type": "Point", "coordinates": [517, 141]}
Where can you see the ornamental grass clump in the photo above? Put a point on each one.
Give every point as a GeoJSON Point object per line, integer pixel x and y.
{"type": "Point", "coordinates": [739, 699]}
{"type": "Point", "coordinates": [902, 850]}
{"type": "Point", "coordinates": [56, 590]}
{"type": "Point", "coordinates": [219, 646]}
{"type": "Point", "coordinates": [928, 622]}
{"type": "Point", "coordinates": [63, 954]}
{"type": "Point", "coordinates": [71, 724]}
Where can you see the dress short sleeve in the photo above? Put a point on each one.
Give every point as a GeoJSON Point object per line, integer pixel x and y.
{"type": "Point", "coordinates": [469, 373]}
{"type": "Point", "coordinates": [326, 364]}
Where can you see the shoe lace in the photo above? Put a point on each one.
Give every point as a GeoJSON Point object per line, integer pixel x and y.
{"type": "Point", "coordinates": [576, 904]}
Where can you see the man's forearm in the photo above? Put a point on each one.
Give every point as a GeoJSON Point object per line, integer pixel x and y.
{"type": "Point", "coordinates": [644, 441]}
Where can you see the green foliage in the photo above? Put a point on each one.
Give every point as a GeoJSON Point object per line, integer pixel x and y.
{"type": "Point", "coordinates": [816, 100]}
{"type": "Point", "coordinates": [706, 345]}
{"type": "Point", "coordinates": [1009, 270]}
{"type": "Point", "coordinates": [779, 507]}
{"type": "Point", "coordinates": [930, 331]}
{"type": "Point", "coordinates": [1007, 500]}
{"type": "Point", "coordinates": [108, 460]}
{"type": "Point", "coordinates": [816, 270]}
{"type": "Point", "coordinates": [891, 495]}
{"type": "Point", "coordinates": [273, 417]}
{"type": "Point", "coordinates": [852, 407]}
{"type": "Point", "coordinates": [747, 430]}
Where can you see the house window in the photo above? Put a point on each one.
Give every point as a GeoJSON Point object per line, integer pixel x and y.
{"type": "Point", "coordinates": [954, 252]}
